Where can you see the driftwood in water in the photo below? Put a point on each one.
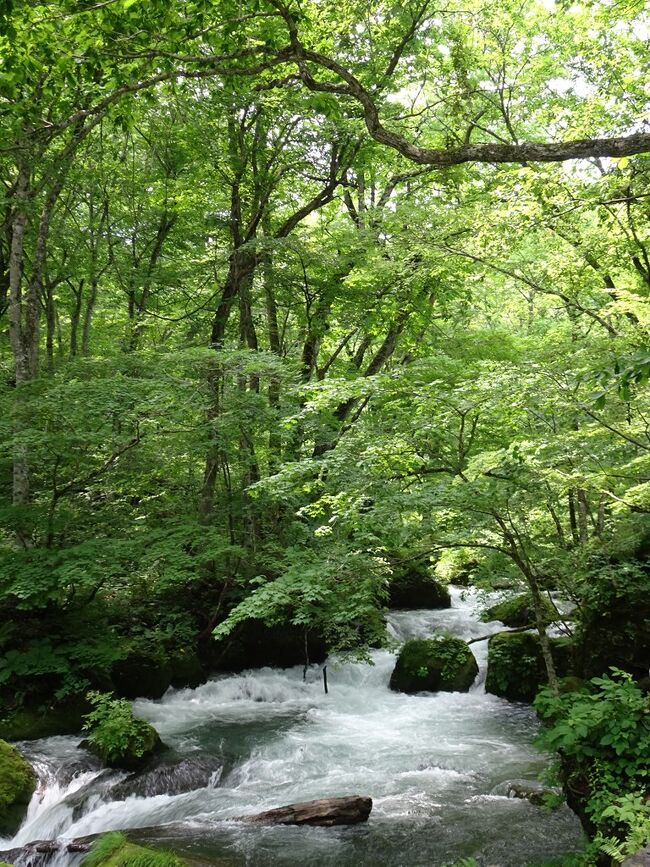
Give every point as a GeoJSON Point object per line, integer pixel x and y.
{"type": "Point", "coordinates": [324, 812]}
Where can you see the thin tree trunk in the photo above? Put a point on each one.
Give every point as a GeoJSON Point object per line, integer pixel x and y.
{"type": "Point", "coordinates": [88, 318]}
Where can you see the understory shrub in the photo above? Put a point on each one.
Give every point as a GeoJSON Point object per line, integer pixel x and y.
{"type": "Point", "coordinates": [602, 735]}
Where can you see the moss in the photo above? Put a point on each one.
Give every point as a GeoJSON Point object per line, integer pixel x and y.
{"type": "Point", "coordinates": [516, 667]}
{"type": "Point", "coordinates": [17, 784]}
{"type": "Point", "coordinates": [413, 586]}
{"type": "Point", "coordinates": [518, 612]}
{"type": "Point", "coordinates": [114, 850]}
{"type": "Point", "coordinates": [30, 723]}
{"type": "Point", "coordinates": [432, 664]}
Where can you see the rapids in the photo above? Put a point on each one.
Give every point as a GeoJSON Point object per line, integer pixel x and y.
{"type": "Point", "coordinates": [436, 766]}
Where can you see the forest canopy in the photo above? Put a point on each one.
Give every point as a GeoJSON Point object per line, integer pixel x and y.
{"type": "Point", "coordinates": [292, 295]}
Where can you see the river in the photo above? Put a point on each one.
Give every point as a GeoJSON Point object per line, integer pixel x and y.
{"type": "Point", "coordinates": [436, 765]}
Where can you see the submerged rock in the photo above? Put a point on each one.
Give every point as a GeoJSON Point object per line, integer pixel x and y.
{"type": "Point", "coordinates": [432, 664]}
{"type": "Point", "coordinates": [516, 667]}
{"type": "Point", "coordinates": [17, 784]}
{"type": "Point", "coordinates": [42, 853]}
{"type": "Point", "coordinates": [534, 792]}
{"type": "Point", "coordinates": [325, 812]}
{"type": "Point", "coordinates": [170, 774]}
{"type": "Point", "coordinates": [518, 611]}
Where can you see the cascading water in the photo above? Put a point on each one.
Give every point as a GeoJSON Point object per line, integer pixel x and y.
{"type": "Point", "coordinates": [436, 766]}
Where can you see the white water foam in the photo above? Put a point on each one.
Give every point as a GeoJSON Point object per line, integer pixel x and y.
{"type": "Point", "coordinates": [418, 756]}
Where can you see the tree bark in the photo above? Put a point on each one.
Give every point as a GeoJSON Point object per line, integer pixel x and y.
{"type": "Point", "coordinates": [324, 813]}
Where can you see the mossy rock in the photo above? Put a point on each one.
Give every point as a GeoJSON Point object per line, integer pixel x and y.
{"type": "Point", "coordinates": [143, 673]}
{"type": "Point", "coordinates": [516, 667]}
{"type": "Point", "coordinates": [464, 575]}
{"type": "Point", "coordinates": [114, 850]}
{"type": "Point", "coordinates": [518, 612]}
{"type": "Point", "coordinates": [432, 664]}
{"type": "Point", "coordinates": [413, 586]}
{"type": "Point", "coordinates": [30, 723]}
{"type": "Point", "coordinates": [253, 644]}
{"type": "Point", "coordinates": [17, 784]}
{"type": "Point", "coordinates": [187, 670]}
{"type": "Point", "coordinates": [142, 743]}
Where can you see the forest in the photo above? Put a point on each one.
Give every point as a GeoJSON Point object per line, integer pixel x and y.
{"type": "Point", "coordinates": [324, 350]}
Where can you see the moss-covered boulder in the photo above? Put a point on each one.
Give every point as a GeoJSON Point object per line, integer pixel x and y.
{"type": "Point", "coordinates": [187, 670]}
{"type": "Point", "coordinates": [117, 737]}
{"type": "Point", "coordinates": [253, 644]}
{"type": "Point", "coordinates": [114, 850]}
{"type": "Point", "coordinates": [432, 664]}
{"type": "Point", "coordinates": [518, 611]}
{"type": "Point", "coordinates": [44, 721]}
{"type": "Point", "coordinates": [413, 586]}
{"type": "Point", "coordinates": [516, 667]}
{"type": "Point", "coordinates": [144, 672]}
{"type": "Point", "coordinates": [17, 784]}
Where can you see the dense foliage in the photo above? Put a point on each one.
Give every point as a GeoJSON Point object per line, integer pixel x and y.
{"type": "Point", "coordinates": [603, 737]}
{"type": "Point", "coordinates": [121, 739]}
{"type": "Point", "coordinates": [296, 296]}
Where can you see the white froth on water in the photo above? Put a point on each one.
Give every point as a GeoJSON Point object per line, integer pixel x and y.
{"type": "Point", "coordinates": [427, 759]}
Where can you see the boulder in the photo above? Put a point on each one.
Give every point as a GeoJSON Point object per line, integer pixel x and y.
{"type": "Point", "coordinates": [413, 586]}
{"type": "Point", "coordinates": [129, 750]}
{"type": "Point", "coordinates": [640, 859]}
{"type": "Point", "coordinates": [143, 673]}
{"type": "Point", "coordinates": [534, 793]}
{"type": "Point", "coordinates": [44, 721]}
{"type": "Point", "coordinates": [170, 774]}
{"type": "Point", "coordinates": [516, 667]}
{"type": "Point", "coordinates": [324, 813]}
{"type": "Point", "coordinates": [186, 670]}
{"type": "Point", "coordinates": [431, 664]}
{"type": "Point", "coordinates": [518, 611]}
{"type": "Point", "coordinates": [17, 784]}
{"type": "Point", "coordinates": [254, 644]}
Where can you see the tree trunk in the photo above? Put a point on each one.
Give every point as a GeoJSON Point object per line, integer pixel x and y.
{"type": "Point", "coordinates": [324, 813]}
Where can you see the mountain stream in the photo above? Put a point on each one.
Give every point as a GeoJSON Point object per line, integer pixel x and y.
{"type": "Point", "coordinates": [438, 767]}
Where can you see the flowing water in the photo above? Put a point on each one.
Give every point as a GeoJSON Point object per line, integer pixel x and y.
{"type": "Point", "coordinates": [436, 765]}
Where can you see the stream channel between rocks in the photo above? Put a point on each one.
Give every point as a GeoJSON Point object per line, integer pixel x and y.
{"type": "Point", "coordinates": [436, 765]}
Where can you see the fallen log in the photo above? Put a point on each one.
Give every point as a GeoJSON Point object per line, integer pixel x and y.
{"type": "Point", "coordinates": [324, 813]}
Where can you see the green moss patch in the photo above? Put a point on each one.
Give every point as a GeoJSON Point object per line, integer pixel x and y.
{"type": "Point", "coordinates": [27, 724]}
{"type": "Point", "coordinates": [518, 612]}
{"type": "Point", "coordinates": [114, 850]}
{"type": "Point", "coordinates": [17, 784]}
{"type": "Point", "coordinates": [432, 664]}
{"type": "Point", "coordinates": [516, 667]}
